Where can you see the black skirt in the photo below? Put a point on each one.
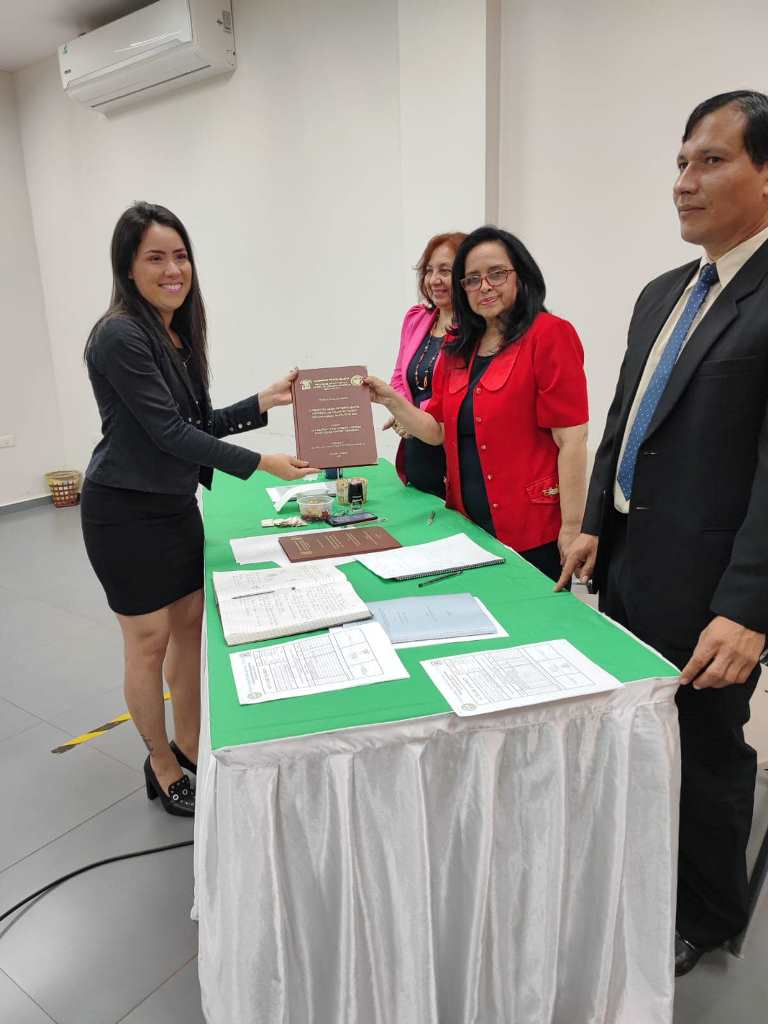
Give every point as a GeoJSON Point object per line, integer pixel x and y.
{"type": "Point", "coordinates": [425, 466]}
{"type": "Point", "coordinates": [145, 548]}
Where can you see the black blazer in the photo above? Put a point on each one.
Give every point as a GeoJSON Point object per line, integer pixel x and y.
{"type": "Point", "coordinates": [698, 524]}
{"type": "Point", "coordinates": [158, 433]}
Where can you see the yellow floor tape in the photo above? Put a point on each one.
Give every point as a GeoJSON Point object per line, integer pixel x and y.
{"type": "Point", "coordinates": [98, 731]}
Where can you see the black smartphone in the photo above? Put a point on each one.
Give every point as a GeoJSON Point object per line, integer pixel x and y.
{"type": "Point", "coordinates": [351, 517]}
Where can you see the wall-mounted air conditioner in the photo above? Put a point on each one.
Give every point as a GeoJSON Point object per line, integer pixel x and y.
{"type": "Point", "coordinates": [164, 46]}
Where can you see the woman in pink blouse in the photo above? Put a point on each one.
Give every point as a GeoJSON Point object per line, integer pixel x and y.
{"type": "Point", "coordinates": [421, 339]}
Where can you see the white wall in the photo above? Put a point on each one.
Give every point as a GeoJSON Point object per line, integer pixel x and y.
{"type": "Point", "coordinates": [445, 142]}
{"type": "Point", "coordinates": [309, 180]}
{"type": "Point", "coordinates": [28, 405]}
{"type": "Point", "coordinates": [594, 97]}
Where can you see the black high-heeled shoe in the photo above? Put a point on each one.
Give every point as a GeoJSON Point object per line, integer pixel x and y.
{"type": "Point", "coordinates": [181, 757]}
{"type": "Point", "coordinates": [180, 798]}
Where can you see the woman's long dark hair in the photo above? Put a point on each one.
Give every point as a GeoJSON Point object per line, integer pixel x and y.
{"type": "Point", "coordinates": [189, 320]}
{"type": "Point", "coordinates": [531, 290]}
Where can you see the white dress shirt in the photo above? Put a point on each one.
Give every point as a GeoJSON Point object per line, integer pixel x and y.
{"type": "Point", "coordinates": [728, 265]}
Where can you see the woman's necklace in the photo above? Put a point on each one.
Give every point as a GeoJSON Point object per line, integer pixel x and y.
{"type": "Point", "coordinates": [490, 344]}
{"type": "Point", "coordinates": [184, 355]}
{"type": "Point", "coordinates": [436, 330]}
{"type": "Point", "coordinates": [426, 378]}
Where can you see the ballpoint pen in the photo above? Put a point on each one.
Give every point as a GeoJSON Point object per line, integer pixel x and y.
{"type": "Point", "coordinates": [431, 517]}
{"type": "Point", "coordinates": [260, 593]}
{"type": "Point", "coordinates": [437, 579]}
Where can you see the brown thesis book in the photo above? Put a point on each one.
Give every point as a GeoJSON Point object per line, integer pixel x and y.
{"type": "Point", "coordinates": [332, 418]}
{"type": "Point", "coordinates": [335, 543]}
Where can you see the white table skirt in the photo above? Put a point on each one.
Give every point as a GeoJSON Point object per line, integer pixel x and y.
{"type": "Point", "coordinates": [517, 868]}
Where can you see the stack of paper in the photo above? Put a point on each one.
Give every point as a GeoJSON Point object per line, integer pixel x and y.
{"type": "Point", "coordinates": [419, 621]}
{"type": "Point", "coordinates": [262, 604]}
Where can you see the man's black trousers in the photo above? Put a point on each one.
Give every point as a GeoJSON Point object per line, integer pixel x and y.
{"type": "Point", "coordinates": [718, 777]}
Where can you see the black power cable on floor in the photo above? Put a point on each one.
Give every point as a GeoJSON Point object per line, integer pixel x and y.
{"type": "Point", "coordinates": [88, 867]}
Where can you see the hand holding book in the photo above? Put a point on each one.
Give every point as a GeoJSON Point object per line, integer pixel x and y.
{"type": "Point", "coordinates": [286, 466]}
{"type": "Point", "coordinates": [278, 393]}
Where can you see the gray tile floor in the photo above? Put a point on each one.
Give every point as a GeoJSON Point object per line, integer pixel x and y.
{"type": "Point", "coordinates": [117, 944]}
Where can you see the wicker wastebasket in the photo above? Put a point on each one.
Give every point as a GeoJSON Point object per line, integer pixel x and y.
{"type": "Point", "coordinates": [65, 487]}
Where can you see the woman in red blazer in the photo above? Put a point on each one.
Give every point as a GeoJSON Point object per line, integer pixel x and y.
{"type": "Point", "coordinates": [508, 405]}
{"type": "Point", "coordinates": [421, 339]}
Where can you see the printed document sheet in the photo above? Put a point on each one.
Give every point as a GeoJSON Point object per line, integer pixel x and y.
{"type": "Point", "coordinates": [516, 677]}
{"type": "Point", "coordinates": [335, 660]}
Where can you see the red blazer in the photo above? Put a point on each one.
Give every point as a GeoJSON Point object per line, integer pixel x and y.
{"type": "Point", "coordinates": [535, 384]}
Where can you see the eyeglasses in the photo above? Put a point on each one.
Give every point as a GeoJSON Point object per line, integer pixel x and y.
{"type": "Point", "coordinates": [495, 277]}
{"type": "Point", "coordinates": [444, 273]}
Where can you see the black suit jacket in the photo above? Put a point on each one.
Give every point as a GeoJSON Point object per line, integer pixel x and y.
{"type": "Point", "coordinates": [157, 433]}
{"type": "Point", "coordinates": [698, 523]}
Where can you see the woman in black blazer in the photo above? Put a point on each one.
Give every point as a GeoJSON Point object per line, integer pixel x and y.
{"type": "Point", "coordinates": [148, 365]}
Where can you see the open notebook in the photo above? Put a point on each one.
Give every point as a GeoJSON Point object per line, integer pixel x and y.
{"type": "Point", "coordinates": [451, 554]}
{"type": "Point", "coordinates": [262, 604]}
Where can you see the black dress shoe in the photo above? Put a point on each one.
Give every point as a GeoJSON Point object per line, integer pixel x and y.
{"type": "Point", "coordinates": [180, 798]}
{"type": "Point", "coordinates": [686, 955]}
{"type": "Point", "coordinates": [181, 757]}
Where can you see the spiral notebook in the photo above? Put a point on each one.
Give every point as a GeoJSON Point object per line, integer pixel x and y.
{"type": "Point", "coordinates": [264, 604]}
{"type": "Point", "coordinates": [451, 554]}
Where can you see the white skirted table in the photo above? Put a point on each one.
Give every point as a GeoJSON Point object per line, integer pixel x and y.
{"type": "Point", "coordinates": [373, 859]}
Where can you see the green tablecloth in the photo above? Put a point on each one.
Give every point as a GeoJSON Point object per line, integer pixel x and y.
{"type": "Point", "coordinates": [516, 593]}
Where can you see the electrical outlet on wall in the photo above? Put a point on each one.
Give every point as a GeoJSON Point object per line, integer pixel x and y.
{"type": "Point", "coordinates": [7, 440]}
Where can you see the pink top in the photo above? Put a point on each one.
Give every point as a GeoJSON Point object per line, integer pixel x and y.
{"type": "Point", "coordinates": [416, 325]}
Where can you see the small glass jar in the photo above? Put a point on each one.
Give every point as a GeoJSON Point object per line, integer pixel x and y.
{"type": "Point", "coordinates": [315, 508]}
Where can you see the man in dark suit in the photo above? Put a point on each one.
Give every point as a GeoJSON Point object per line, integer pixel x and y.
{"type": "Point", "coordinates": [675, 533]}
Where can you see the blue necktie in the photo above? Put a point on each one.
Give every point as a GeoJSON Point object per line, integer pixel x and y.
{"type": "Point", "coordinates": [660, 378]}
